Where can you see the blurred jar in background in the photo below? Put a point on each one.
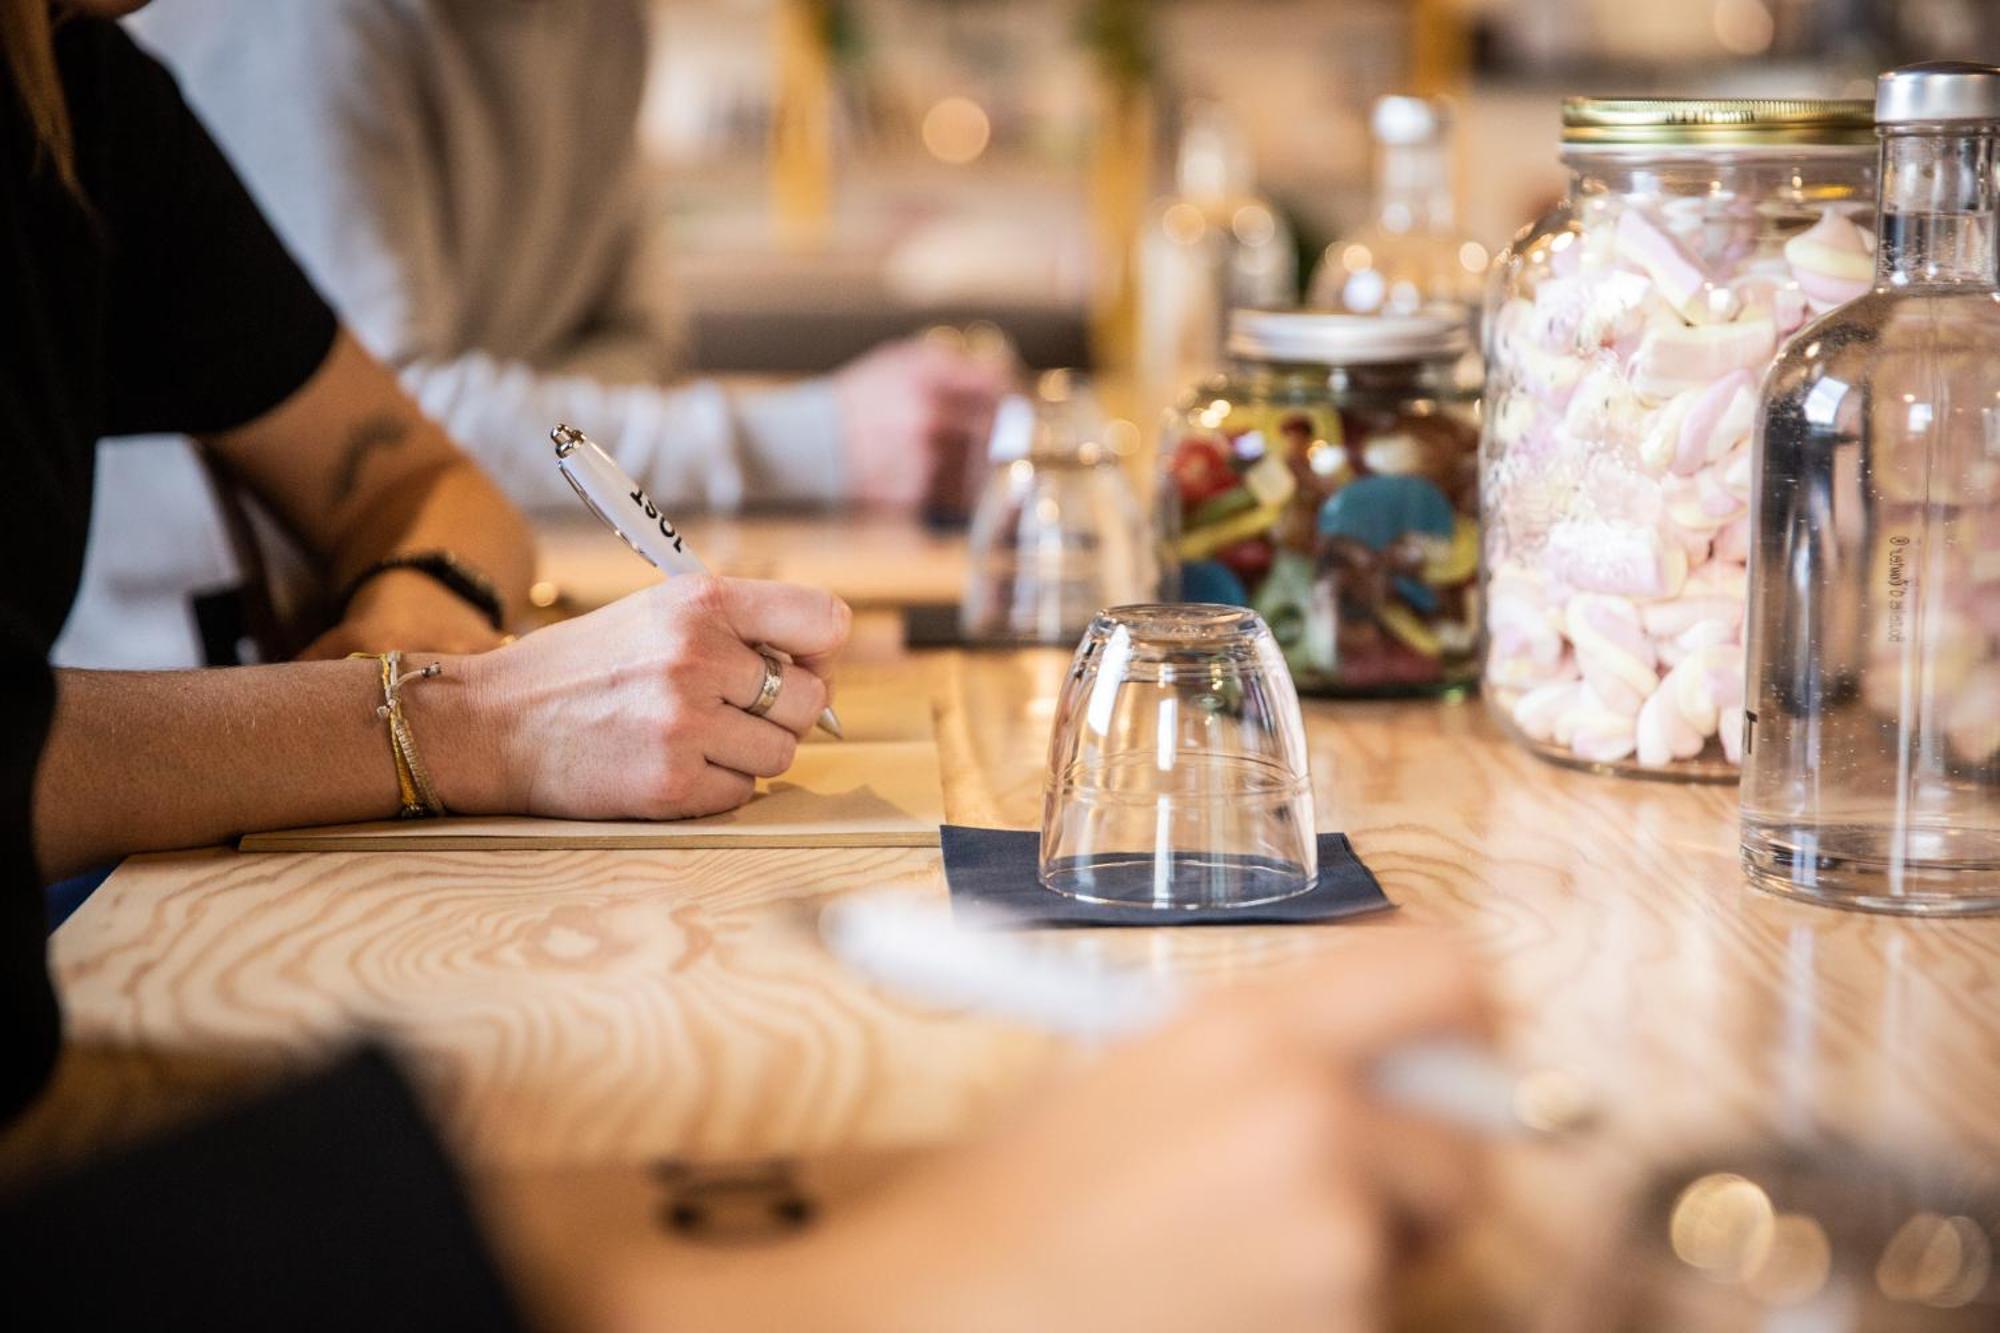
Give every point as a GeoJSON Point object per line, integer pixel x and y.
{"type": "Point", "coordinates": [1057, 533]}
{"type": "Point", "coordinates": [1629, 331]}
{"type": "Point", "coordinates": [1328, 479]}
{"type": "Point", "coordinates": [1212, 246]}
{"type": "Point", "coordinates": [1411, 255]}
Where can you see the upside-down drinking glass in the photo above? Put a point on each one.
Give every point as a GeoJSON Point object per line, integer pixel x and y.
{"type": "Point", "coordinates": [1177, 773]}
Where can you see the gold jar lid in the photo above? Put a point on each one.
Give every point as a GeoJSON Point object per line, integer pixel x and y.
{"type": "Point", "coordinates": [1716, 122]}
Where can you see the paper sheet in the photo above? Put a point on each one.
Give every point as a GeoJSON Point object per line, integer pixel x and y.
{"type": "Point", "coordinates": [854, 794]}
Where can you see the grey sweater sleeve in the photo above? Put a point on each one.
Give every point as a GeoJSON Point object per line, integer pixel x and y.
{"type": "Point", "coordinates": [696, 444]}
{"type": "Point", "coordinates": [324, 108]}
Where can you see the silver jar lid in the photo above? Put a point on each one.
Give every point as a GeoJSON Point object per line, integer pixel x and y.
{"type": "Point", "coordinates": [1938, 90]}
{"type": "Point", "coordinates": [1320, 338]}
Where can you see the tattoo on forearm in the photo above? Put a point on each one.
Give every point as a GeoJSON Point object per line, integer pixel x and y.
{"type": "Point", "coordinates": [380, 431]}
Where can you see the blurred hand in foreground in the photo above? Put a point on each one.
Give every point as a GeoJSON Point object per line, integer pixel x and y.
{"type": "Point", "coordinates": [1230, 1173]}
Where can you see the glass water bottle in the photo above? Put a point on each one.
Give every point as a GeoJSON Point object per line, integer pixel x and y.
{"type": "Point", "coordinates": [1212, 246]}
{"type": "Point", "coordinates": [1410, 256]}
{"type": "Point", "coordinates": [1871, 765]}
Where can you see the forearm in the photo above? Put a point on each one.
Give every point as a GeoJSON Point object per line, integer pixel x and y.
{"type": "Point", "coordinates": [358, 472]}
{"type": "Point", "coordinates": [145, 761]}
{"type": "Point", "coordinates": [637, 710]}
{"type": "Point", "coordinates": [454, 507]}
{"type": "Point", "coordinates": [679, 443]}
{"type": "Point", "coordinates": [695, 445]}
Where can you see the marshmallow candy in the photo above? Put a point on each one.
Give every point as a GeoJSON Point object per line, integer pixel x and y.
{"type": "Point", "coordinates": [1524, 646]}
{"type": "Point", "coordinates": [1678, 278]}
{"type": "Point", "coordinates": [1729, 730]}
{"type": "Point", "coordinates": [1662, 732]}
{"type": "Point", "coordinates": [1678, 718]}
{"type": "Point", "coordinates": [1538, 711]}
{"type": "Point", "coordinates": [1592, 731]}
{"type": "Point", "coordinates": [1674, 357]}
{"type": "Point", "coordinates": [1718, 418]}
{"type": "Point", "coordinates": [1713, 595]}
{"type": "Point", "coordinates": [1623, 409]}
{"type": "Point", "coordinates": [1612, 650]}
{"type": "Point", "coordinates": [1833, 261]}
{"type": "Point", "coordinates": [1626, 559]}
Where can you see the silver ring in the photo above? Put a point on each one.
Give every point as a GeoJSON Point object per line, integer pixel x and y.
{"type": "Point", "coordinates": [774, 680]}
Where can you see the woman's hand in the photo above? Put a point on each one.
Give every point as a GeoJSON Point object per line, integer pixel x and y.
{"type": "Point", "coordinates": [635, 710]}
{"type": "Point", "coordinates": [914, 414]}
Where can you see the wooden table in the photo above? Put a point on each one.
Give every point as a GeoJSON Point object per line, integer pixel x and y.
{"type": "Point", "coordinates": [612, 1007]}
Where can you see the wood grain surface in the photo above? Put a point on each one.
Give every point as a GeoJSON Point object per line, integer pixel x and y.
{"type": "Point", "coordinates": [614, 1006]}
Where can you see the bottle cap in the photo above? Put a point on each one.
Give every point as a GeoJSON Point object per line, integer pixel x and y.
{"type": "Point", "coordinates": [1938, 90]}
{"type": "Point", "coordinates": [1400, 121]}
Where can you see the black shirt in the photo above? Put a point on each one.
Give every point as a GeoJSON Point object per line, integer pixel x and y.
{"type": "Point", "coordinates": [162, 302]}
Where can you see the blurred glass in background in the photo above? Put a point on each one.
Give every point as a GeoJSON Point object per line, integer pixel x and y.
{"type": "Point", "coordinates": [1806, 1238]}
{"type": "Point", "coordinates": [1057, 533]}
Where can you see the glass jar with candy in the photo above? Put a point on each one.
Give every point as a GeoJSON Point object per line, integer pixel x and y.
{"type": "Point", "coordinates": [1328, 479]}
{"type": "Point", "coordinates": [1626, 337]}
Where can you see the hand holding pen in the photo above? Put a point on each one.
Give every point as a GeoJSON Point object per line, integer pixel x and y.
{"type": "Point", "coordinates": [627, 510]}
{"type": "Point", "coordinates": [667, 704]}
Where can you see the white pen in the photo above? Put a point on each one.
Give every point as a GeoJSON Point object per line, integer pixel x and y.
{"type": "Point", "coordinates": [610, 494]}
{"type": "Point", "coordinates": [918, 950]}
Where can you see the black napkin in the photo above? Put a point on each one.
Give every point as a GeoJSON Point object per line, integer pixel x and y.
{"type": "Point", "coordinates": [932, 625]}
{"type": "Point", "coordinates": [935, 625]}
{"type": "Point", "coordinates": [994, 870]}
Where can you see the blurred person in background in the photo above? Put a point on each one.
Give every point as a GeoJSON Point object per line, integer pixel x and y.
{"type": "Point", "coordinates": [462, 179]}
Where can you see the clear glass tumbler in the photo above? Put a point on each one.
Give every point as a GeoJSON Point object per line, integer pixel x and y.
{"type": "Point", "coordinates": [1057, 534]}
{"type": "Point", "coordinates": [1177, 773]}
